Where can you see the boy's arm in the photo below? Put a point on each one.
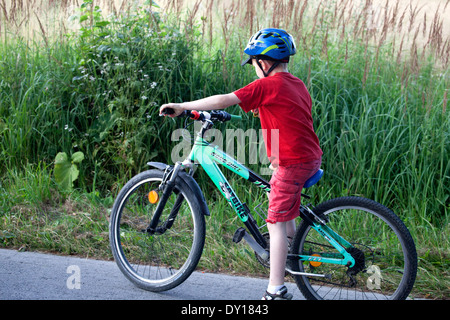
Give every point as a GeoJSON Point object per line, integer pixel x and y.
{"type": "Point", "coordinates": [216, 102]}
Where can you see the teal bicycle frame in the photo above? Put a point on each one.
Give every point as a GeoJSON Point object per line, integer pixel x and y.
{"type": "Point", "coordinates": [209, 156]}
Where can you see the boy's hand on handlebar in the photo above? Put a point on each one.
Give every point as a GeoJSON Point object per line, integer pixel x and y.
{"type": "Point", "coordinates": [171, 109]}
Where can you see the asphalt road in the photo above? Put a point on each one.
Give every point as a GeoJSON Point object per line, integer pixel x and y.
{"type": "Point", "coordinates": [38, 276]}
{"type": "Point", "coordinates": [30, 283]}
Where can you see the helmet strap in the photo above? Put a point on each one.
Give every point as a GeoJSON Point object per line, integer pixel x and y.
{"type": "Point", "coordinates": [266, 74]}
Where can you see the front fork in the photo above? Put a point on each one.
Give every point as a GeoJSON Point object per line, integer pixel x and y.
{"type": "Point", "coordinates": [167, 186]}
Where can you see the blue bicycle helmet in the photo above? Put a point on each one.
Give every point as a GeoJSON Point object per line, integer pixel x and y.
{"type": "Point", "coordinates": [270, 44]}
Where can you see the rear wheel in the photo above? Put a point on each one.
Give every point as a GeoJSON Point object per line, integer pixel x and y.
{"type": "Point", "coordinates": [156, 261]}
{"type": "Point", "coordinates": [383, 249]}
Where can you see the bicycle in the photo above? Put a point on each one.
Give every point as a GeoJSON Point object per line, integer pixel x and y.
{"type": "Point", "coordinates": [344, 248]}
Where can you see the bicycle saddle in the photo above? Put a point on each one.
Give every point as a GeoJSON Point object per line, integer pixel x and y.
{"type": "Point", "coordinates": [314, 179]}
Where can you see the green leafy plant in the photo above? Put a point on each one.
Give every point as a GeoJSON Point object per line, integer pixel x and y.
{"type": "Point", "coordinates": [66, 171]}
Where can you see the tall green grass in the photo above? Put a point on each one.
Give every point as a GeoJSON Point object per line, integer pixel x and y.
{"type": "Point", "coordinates": [380, 111]}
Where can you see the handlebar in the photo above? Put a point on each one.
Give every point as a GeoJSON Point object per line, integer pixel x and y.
{"type": "Point", "coordinates": [215, 115]}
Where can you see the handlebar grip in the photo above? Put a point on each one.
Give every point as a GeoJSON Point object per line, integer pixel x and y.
{"type": "Point", "coordinates": [187, 113]}
{"type": "Point", "coordinates": [195, 115]}
{"type": "Point", "coordinates": [167, 111]}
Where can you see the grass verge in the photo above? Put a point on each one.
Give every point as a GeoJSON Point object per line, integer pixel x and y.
{"type": "Point", "coordinates": [37, 217]}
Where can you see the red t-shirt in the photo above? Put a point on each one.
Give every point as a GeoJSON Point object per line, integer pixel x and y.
{"type": "Point", "coordinates": [284, 104]}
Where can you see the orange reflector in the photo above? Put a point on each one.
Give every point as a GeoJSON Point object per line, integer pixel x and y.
{"type": "Point", "coordinates": [315, 263]}
{"type": "Point", "coordinates": [153, 197]}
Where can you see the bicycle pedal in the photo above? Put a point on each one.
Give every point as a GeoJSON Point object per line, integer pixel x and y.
{"type": "Point", "coordinates": [238, 235]}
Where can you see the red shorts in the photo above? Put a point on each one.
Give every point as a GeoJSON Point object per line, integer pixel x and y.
{"type": "Point", "coordinates": [286, 186]}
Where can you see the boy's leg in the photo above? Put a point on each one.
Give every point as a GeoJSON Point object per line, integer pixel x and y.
{"type": "Point", "coordinates": [278, 252]}
{"type": "Point", "coordinates": [278, 232]}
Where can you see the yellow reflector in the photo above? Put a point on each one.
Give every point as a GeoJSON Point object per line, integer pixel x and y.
{"type": "Point", "coordinates": [315, 263]}
{"type": "Point", "coordinates": [153, 197]}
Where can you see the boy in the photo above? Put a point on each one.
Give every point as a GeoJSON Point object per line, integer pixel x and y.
{"type": "Point", "coordinates": [283, 104]}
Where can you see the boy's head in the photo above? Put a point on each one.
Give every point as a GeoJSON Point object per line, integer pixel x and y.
{"type": "Point", "coordinates": [269, 47]}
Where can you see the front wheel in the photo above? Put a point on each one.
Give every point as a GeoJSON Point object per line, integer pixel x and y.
{"type": "Point", "coordinates": [383, 249]}
{"type": "Point", "coordinates": [156, 261]}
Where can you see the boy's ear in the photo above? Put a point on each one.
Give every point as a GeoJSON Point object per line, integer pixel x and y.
{"type": "Point", "coordinates": [265, 64]}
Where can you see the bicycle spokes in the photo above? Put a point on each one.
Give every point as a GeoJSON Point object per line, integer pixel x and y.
{"type": "Point", "coordinates": [382, 253]}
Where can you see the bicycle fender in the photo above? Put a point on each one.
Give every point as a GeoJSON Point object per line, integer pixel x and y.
{"type": "Point", "coordinates": [193, 185]}
{"type": "Point", "coordinates": [190, 181]}
{"type": "Point", "coordinates": [158, 165]}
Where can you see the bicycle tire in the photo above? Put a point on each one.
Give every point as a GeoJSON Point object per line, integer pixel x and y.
{"type": "Point", "coordinates": [385, 253]}
{"type": "Point", "coordinates": [155, 262]}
